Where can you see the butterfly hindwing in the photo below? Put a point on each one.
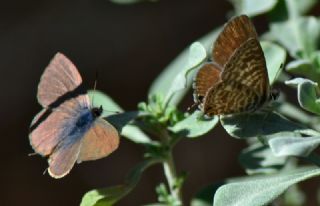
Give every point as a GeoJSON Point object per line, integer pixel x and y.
{"type": "Point", "coordinates": [99, 141]}
{"type": "Point", "coordinates": [248, 67]}
{"type": "Point", "coordinates": [229, 97]}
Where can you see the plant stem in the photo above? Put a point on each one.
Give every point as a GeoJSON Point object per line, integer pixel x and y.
{"type": "Point", "coordinates": [170, 170]}
{"type": "Point", "coordinates": [171, 175]}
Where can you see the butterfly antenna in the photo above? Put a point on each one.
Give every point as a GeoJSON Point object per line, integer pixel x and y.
{"type": "Point", "coordinates": [45, 171]}
{"type": "Point", "coordinates": [32, 154]}
{"type": "Point", "coordinates": [95, 85]}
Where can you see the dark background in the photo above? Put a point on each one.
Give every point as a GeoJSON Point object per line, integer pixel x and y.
{"type": "Point", "coordinates": [129, 45]}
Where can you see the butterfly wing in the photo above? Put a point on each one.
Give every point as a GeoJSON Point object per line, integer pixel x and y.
{"type": "Point", "coordinates": [207, 76]}
{"type": "Point", "coordinates": [229, 97]}
{"type": "Point", "coordinates": [99, 141]}
{"type": "Point", "coordinates": [59, 77]}
{"type": "Point", "coordinates": [245, 84]}
{"type": "Point", "coordinates": [236, 32]}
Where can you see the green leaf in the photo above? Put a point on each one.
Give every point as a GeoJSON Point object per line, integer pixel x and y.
{"type": "Point", "coordinates": [197, 55]}
{"type": "Point", "coordinates": [275, 57]}
{"type": "Point", "coordinates": [252, 7]}
{"type": "Point", "coordinates": [298, 7]}
{"type": "Point", "coordinates": [259, 158]}
{"type": "Point", "coordinates": [258, 124]}
{"type": "Point", "coordinates": [163, 82]}
{"type": "Point", "coordinates": [307, 94]}
{"type": "Point", "coordinates": [261, 190]}
{"type": "Point", "coordinates": [109, 196]}
{"type": "Point", "coordinates": [120, 121]}
{"type": "Point", "coordinates": [299, 36]}
{"type": "Point", "coordinates": [194, 125]}
{"type": "Point", "coordinates": [305, 68]}
{"type": "Point", "coordinates": [294, 146]}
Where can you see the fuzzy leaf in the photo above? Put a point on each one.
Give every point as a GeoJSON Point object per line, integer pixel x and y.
{"type": "Point", "coordinates": [299, 36]}
{"type": "Point", "coordinates": [197, 55]}
{"type": "Point", "coordinates": [120, 121]}
{"type": "Point", "coordinates": [307, 94]}
{"type": "Point", "coordinates": [194, 125]}
{"type": "Point", "coordinates": [275, 57]}
{"type": "Point", "coordinates": [109, 196]}
{"type": "Point", "coordinates": [294, 146]}
{"type": "Point", "coordinates": [258, 158]}
{"type": "Point", "coordinates": [258, 124]}
{"type": "Point", "coordinates": [253, 8]}
{"type": "Point", "coordinates": [163, 82]}
{"type": "Point", "coordinates": [261, 190]}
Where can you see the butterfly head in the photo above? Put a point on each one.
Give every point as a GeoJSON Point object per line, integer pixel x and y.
{"type": "Point", "coordinates": [274, 94]}
{"type": "Point", "coordinates": [97, 111]}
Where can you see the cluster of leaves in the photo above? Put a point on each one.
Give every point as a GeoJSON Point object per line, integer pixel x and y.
{"type": "Point", "coordinates": [275, 143]}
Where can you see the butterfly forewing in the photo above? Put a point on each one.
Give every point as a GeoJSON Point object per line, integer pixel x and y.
{"type": "Point", "coordinates": [237, 31]}
{"type": "Point", "coordinates": [59, 77]}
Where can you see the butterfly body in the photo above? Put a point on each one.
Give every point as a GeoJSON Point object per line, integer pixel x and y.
{"type": "Point", "coordinates": [68, 129]}
{"type": "Point", "coordinates": [236, 80]}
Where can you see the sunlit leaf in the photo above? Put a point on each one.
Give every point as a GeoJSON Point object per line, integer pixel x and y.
{"type": "Point", "coordinates": [294, 146]}
{"type": "Point", "coordinates": [275, 57]}
{"type": "Point", "coordinates": [261, 190]}
{"type": "Point", "coordinates": [307, 94]}
{"type": "Point", "coordinates": [197, 55]}
{"type": "Point", "coordinates": [252, 7]}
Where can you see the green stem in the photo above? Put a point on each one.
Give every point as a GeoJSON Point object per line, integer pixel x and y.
{"type": "Point", "coordinates": [170, 169]}
{"type": "Point", "coordinates": [171, 175]}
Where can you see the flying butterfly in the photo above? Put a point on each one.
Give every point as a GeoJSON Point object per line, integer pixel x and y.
{"type": "Point", "coordinates": [68, 129]}
{"type": "Point", "coordinates": [237, 79]}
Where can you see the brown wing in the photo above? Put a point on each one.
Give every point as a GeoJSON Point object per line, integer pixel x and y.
{"type": "Point", "coordinates": [248, 67]}
{"type": "Point", "coordinates": [207, 76]}
{"type": "Point", "coordinates": [101, 140]}
{"type": "Point", "coordinates": [229, 97]}
{"type": "Point", "coordinates": [245, 84]}
{"type": "Point", "coordinates": [63, 158]}
{"type": "Point", "coordinates": [236, 32]}
{"type": "Point", "coordinates": [59, 77]}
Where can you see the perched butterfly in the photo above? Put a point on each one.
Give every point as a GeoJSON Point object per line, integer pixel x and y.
{"type": "Point", "coordinates": [237, 79]}
{"type": "Point", "coordinates": [68, 129]}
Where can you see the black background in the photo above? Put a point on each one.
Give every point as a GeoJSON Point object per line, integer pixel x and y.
{"type": "Point", "coordinates": [129, 45]}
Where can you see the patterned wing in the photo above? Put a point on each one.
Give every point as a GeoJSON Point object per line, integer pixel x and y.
{"type": "Point", "coordinates": [100, 140]}
{"type": "Point", "coordinates": [236, 32]}
{"type": "Point", "coordinates": [59, 77]}
{"type": "Point", "coordinates": [245, 84]}
{"type": "Point", "coordinates": [207, 76]}
{"type": "Point", "coordinates": [248, 67]}
{"type": "Point", "coordinates": [229, 97]}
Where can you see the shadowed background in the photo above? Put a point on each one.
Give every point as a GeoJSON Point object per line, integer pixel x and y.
{"type": "Point", "coordinates": [129, 46]}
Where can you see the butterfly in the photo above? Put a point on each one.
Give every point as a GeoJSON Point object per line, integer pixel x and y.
{"type": "Point", "coordinates": [68, 129]}
{"type": "Point", "coordinates": [237, 79]}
